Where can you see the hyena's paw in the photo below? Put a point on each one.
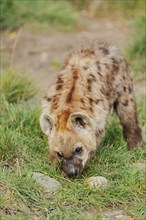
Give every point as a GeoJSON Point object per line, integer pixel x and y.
{"type": "Point", "coordinates": [134, 139]}
{"type": "Point", "coordinates": [97, 181]}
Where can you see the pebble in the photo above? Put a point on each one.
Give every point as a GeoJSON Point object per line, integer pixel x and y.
{"type": "Point", "coordinates": [49, 184]}
{"type": "Point", "coordinates": [97, 181]}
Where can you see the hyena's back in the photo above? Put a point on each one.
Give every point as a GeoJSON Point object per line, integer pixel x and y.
{"type": "Point", "coordinates": [93, 79]}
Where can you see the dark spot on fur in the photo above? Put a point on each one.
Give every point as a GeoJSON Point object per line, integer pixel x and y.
{"type": "Point", "coordinates": [87, 51]}
{"type": "Point", "coordinates": [115, 64]}
{"type": "Point", "coordinates": [130, 89]}
{"type": "Point", "coordinates": [92, 52]}
{"type": "Point", "coordinates": [126, 103]}
{"type": "Point", "coordinates": [91, 101]}
{"type": "Point", "coordinates": [98, 68]}
{"type": "Point", "coordinates": [104, 50]}
{"type": "Point", "coordinates": [102, 90]}
{"type": "Point", "coordinates": [47, 98]}
{"type": "Point", "coordinates": [70, 94]}
{"type": "Point", "coordinates": [131, 100]}
{"type": "Point", "coordinates": [92, 77]}
{"type": "Point", "coordinates": [59, 80]}
{"type": "Point", "coordinates": [119, 94]}
{"type": "Point", "coordinates": [124, 77]}
{"type": "Point", "coordinates": [85, 67]}
{"type": "Point", "coordinates": [59, 83]}
{"type": "Point", "coordinates": [96, 101]}
{"type": "Point", "coordinates": [89, 88]}
{"type": "Point", "coordinates": [75, 75]}
{"type": "Point", "coordinates": [107, 93]}
{"type": "Point", "coordinates": [124, 88]}
{"type": "Point", "coordinates": [82, 101]}
{"type": "Point", "coordinates": [89, 81]}
{"type": "Point", "coordinates": [55, 101]}
{"type": "Point", "coordinates": [106, 65]}
{"type": "Point", "coordinates": [98, 65]}
{"type": "Point", "coordinates": [91, 109]}
{"type": "Point", "coordinates": [99, 73]}
{"type": "Point", "coordinates": [58, 87]}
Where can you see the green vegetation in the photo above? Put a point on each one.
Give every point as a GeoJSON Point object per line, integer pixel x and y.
{"type": "Point", "coordinates": [18, 12]}
{"type": "Point", "coordinates": [23, 149]}
{"type": "Point", "coordinates": [137, 50]}
{"type": "Point", "coordinates": [16, 88]}
{"type": "Point", "coordinates": [120, 9]}
{"type": "Point", "coordinates": [113, 5]}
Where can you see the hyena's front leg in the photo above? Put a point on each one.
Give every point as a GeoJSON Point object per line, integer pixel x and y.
{"type": "Point", "coordinates": [126, 109]}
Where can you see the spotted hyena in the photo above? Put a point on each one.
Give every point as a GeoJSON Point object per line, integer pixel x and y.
{"type": "Point", "coordinates": [94, 79]}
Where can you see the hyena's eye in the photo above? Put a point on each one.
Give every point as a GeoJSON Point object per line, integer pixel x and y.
{"type": "Point", "coordinates": [78, 150]}
{"type": "Point", "coordinates": [60, 155]}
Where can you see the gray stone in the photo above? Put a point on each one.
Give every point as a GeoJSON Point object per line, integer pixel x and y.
{"type": "Point", "coordinates": [114, 215]}
{"type": "Point", "coordinates": [49, 184]}
{"type": "Point", "coordinates": [97, 181]}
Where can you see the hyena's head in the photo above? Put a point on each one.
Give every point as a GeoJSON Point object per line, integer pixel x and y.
{"type": "Point", "coordinates": [72, 140]}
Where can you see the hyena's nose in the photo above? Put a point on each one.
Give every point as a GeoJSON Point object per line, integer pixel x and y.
{"type": "Point", "coordinates": [72, 170]}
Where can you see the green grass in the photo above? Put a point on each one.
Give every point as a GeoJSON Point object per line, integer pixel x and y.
{"type": "Point", "coordinates": [15, 88]}
{"type": "Point", "coordinates": [62, 14]}
{"type": "Point", "coordinates": [137, 50]}
{"type": "Point", "coordinates": [49, 12]}
{"type": "Point", "coordinates": [119, 9]}
{"type": "Point", "coordinates": [23, 149]}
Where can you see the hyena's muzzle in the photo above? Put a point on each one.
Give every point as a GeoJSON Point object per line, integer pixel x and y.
{"type": "Point", "coordinates": [72, 167]}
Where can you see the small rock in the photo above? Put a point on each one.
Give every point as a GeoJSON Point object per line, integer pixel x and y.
{"type": "Point", "coordinates": [114, 215]}
{"type": "Point", "coordinates": [48, 183]}
{"type": "Point", "coordinates": [97, 181]}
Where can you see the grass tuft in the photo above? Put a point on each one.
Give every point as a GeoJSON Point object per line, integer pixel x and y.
{"type": "Point", "coordinates": [16, 88]}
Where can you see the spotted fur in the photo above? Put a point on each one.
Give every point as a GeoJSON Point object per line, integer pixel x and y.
{"type": "Point", "coordinates": [94, 78]}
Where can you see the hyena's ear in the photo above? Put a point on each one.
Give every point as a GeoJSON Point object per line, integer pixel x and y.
{"type": "Point", "coordinates": [80, 120]}
{"type": "Point", "coordinates": [46, 123]}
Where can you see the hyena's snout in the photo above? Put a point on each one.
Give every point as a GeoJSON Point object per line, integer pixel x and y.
{"type": "Point", "coordinates": [72, 167]}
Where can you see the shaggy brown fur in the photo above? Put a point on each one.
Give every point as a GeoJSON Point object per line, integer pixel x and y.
{"type": "Point", "coordinates": [94, 78]}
